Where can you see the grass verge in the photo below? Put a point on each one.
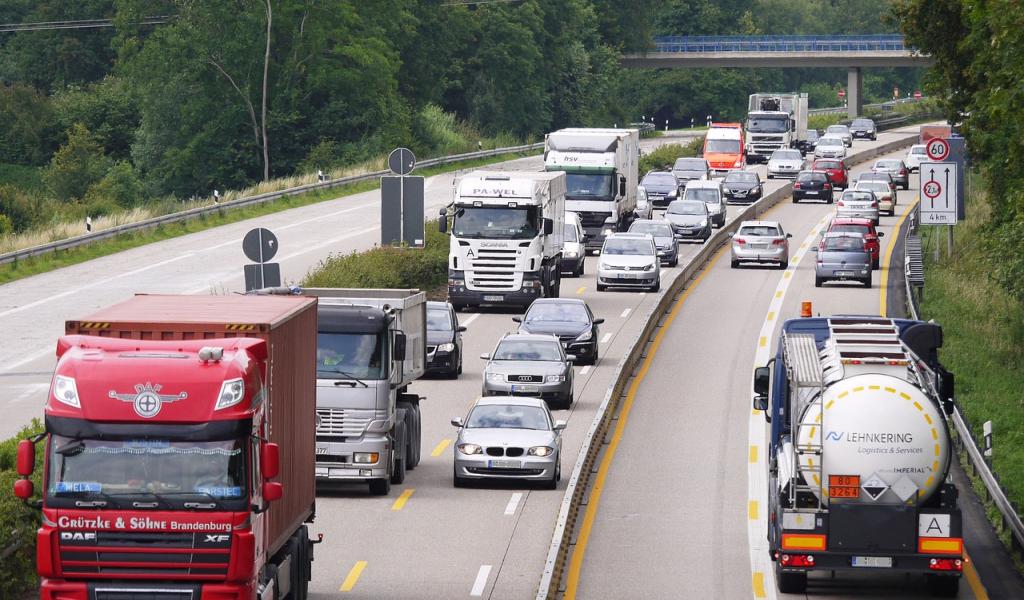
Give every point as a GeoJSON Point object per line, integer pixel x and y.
{"type": "Point", "coordinates": [18, 523]}
{"type": "Point", "coordinates": [55, 260]}
{"type": "Point", "coordinates": [983, 333]}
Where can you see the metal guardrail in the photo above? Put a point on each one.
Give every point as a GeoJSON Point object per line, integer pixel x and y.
{"type": "Point", "coordinates": [965, 440]}
{"type": "Point", "coordinates": [192, 213]}
{"type": "Point", "coordinates": [782, 43]}
{"type": "Point", "coordinates": [575, 498]}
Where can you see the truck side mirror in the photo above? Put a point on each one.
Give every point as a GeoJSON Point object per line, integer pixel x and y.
{"type": "Point", "coordinates": [270, 460]}
{"type": "Point", "coordinates": [549, 226]}
{"type": "Point", "coordinates": [622, 185]}
{"type": "Point", "coordinates": [442, 221]}
{"type": "Point", "coordinates": [762, 379]}
{"type": "Point", "coordinates": [23, 489]}
{"type": "Point", "coordinates": [272, 491]}
{"type": "Point", "coordinates": [399, 352]}
{"type": "Point", "coordinates": [26, 458]}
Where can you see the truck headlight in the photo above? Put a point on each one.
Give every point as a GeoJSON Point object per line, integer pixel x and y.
{"type": "Point", "coordinates": [470, 449]}
{"type": "Point", "coordinates": [495, 377]}
{"type": "Point", "coordinates": [448, 347]}
{"type": "Point", "coordinates": [737, 164]}
{"type": "Point", "coordinates": [540, 451]}
{"type": "Point", "coordinates": [365, 458]}
{"type": "Point", "coordinates": [231, 393]}
{"type": "Point", "coordinates": [554, 378]}
{"type": "Point", "coordinates": [65, 390]}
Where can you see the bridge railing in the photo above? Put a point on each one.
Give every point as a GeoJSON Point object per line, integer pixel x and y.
{"type": "Point", "coordinates": [780, 43]}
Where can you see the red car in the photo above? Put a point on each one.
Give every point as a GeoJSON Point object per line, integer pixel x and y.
{"type": "Point", "coordinates": [864, 227]}
{"type": "Point", "coordinates": [838, 174]}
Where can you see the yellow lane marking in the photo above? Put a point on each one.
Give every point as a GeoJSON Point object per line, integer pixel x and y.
{"type": "Point", "coordinates": [580, 550]}
{"type": "Point", "coordinates": [752, 510]}
{"type": "Point", "coordinates": [762, 341]}
{"type": "Point", "coordinates": [771, 315]}
{"type": "Point", "coordinates": [787, 274]}
{"type": "Point", "coordinates": [759, 585]}
{"type": "Point", "coordinates": [353, 576]}
{"type": "Point", "coordinates": [580, 291]}
{"type": "Point", "coordinates": [439, 448]}
{"type": "Point", "coordinates": [973, 580]}
{"type": "Point", "coordinates": [753, 454]}
{"type": "Point", "coordinates": [883, 261]}
{"type": "Point", "coordinates": [778, 294]}
{"type": "Point", "coordinates": [400, 502]}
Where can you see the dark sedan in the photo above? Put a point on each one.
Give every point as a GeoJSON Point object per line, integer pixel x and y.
{"type": "Point", "coordinates": [444, 340]}
{"type": "Point", "coordinates": [662, 187]}
{"type": "Point", "coordinates": [812, 185]}
{"type": "Point", "coordinates": [570, 320]}
{"type": "Point", "coordinates": [742, 187]}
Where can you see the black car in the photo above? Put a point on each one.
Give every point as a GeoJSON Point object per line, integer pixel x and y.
{"type": "Point", "coordinates": [807, 146]}
{"type": "Point", "coordinates": [570, 320]}
{"type": "Point", "coordinates": [444, 340]}
{"type": "Point", "coordinates": [662, 187]}
{"type": "Point", "coordinates": [814, 185]}
{"type": "Point", "coordinates": [742, 187]}
{"type": "Point", "coordinates": [864, 129]}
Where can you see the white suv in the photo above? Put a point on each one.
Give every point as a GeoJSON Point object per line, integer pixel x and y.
{"type": "Point", "coordinates": [629, 260]}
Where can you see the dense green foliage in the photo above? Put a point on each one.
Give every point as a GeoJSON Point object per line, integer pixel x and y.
{"type": "Point", "coordinates": [665, 156]}
{"type": "Point", "coordinates": [979, 54]}
{"type": "Point", "coordinates": [18, 523]}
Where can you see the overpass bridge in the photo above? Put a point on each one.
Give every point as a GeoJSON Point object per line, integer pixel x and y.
{"type": "Point", "coordinates": [852, 52]}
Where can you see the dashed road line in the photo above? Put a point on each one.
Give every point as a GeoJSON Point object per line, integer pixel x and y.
{"type": "Point", "coordinates": [585, 370]}
{"type": "Point", "coordinates": [401, 500]}
{"type": "Point", "coordinates": [481, 581]}
{"type": "Point", "coordinates": [439, 448]}
{"type": "Point", "coordinates": [513, 503]}
{"type": "Point", "coordinates": [474, 317]}
{"type": "Point", "coordinates": [606, 338]}
{"type": "Point", "coordinates": [353, 576]}
{"type": "Point", "coordinates": [626, 312]}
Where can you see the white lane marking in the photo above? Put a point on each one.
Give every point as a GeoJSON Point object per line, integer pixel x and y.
{"type": "Point", "coordinates": [94, 284]}
{"type": "Point", "coordinates": [32, 358]}
{"type": "Point", "coordinates": [606, 337]}
{"type": "Point", "coordinates": [470, 320]}
{"type": "Point", "coordinates": [34, 388]}
{"type": "Point", "coordinates": [757, 475]}
{"type": "Point", "coordinates": [481, 580]}
{"type": "Point", "coordinates": [585, 370]}
{"type": "Point", "coordinates": [513, 503]}
{"type": "Point", "coordinates": [340, 238]}
{"type": "Point", "coordinates": [626, 312]}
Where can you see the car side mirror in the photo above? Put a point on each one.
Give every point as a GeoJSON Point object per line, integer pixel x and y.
{"type": "Point", "coordinates": [486, 356]}
{"type": "Point", "coordinates": [559, 425]}
{"type": "Point", "coordinates": [457, 422]}
{"type": "Point", "coordinates": [517, 319]}
{"type": "Point", "coordinates": [270, 460]}
{"type": "Point", "coordinates": [400, 343]}
{"type": "Point", "coordinates": [814, 248]}
{"type": "Point", "coordinates": [789, 235]}
{"type": "Point", "coordinates": [460, 328]}
{"type": "Point", "coordinates": [570, 357]}
{"type": "Point", "coordinates": [879, 234]}
{"type": "Point", "coordinates": [549, 226]}
{"type": "Point", "coordinates": [272, 491]}
{"type": "Point", "coordinates": [598, 321]}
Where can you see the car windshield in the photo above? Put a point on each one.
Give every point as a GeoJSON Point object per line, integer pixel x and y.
{"type": "Point", "coordinates": [768, 125]}
{"type": "Point", "coordinates": [846, 243]}
{"type": "Point", "coordinates": [826, 164]}
{"type": "Point", "coordinates": [569, 233]}
{"type": "Point", "coordinates": [787, 155]}
{"type": "Point", "coordinates": [589, 186]}
{"type": "Point", "coordinates": [535, 350]}
{"type": "Point", "coordinates": [850, 228]}
{"type": "Point", "coordinates": [813, 135]}
{"type": "Point", "coordinates": [809, 177]}
{"type": "Point", "coordinates": [500, 222]}
{"type": "Point", "coordinates": [723, 146]}
{"type": "Point", "coordinates": [439, 319]}
{"type": "Point", "coordinates": [874, 186]}
{"type": "Point", "coordinates": [350, 355]}
{"type": "Point", "coordinates": [654, 228]}
{"type": "Point", "coordinates": [888, 165]}
{"type": "Point", "coordinates": [760, 230]}
{"type": "Point", "coordinates": [508, 416]}
{"type": "Point", "coordinates": [690, 164]}
{"type": "Point", "coordinates": [830, 141]}
{"type": "Point", "coordinates": [857, 197]}
{"type": "Point", "coordinates": [862, 123]}
{"type": "Point", "coordinates": [918, 150]}
{"type": "Point", "coordinates": [570, 312]}
{"type": "Point", "coordinates": [627, 246]}
{"type": "Point", "coordinates": [83, 468]}
{"type": "Point", "coordinates": [685, 207]}
{"type": "Point", "coordinates": [740, 177]}
{"type": "Point", "coordinates": [837, 129]}
{"type": "Point", "coordinates": [703, 194]}
{"type": "Point", "coordinates": [659, 179]}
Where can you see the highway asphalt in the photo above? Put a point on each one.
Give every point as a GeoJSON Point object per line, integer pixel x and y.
{"type": "Point", "coordinates": [429, 540]}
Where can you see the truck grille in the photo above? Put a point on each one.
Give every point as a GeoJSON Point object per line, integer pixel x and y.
{"type": "Point", "coordinates": [592, 220]}
{"type": "Point", "coordinates": [123, 591]}
{"type": "Point", "coordinates": [340, 422]}
{"type": "Point", "coordinates": [148, 556]}
{"type": "Point", "coordinates": [494, 269]}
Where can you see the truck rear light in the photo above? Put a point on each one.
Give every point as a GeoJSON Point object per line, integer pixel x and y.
{"type": "Point", "coordinates": [946, 564]}
{"type": "Point", "coordinates": [797, 560]}
{"type": "Point", "coordinates": [933, 545]}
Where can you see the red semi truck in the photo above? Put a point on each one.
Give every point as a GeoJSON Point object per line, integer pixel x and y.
{"type": "Point", "coordinates": [167, 419]}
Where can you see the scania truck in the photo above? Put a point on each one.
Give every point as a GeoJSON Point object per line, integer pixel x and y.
{"type": "Point", "coordinates": [775, 121]}
{"type": "Point", "coordinates": [178, 452]}
{"type": "Point", "coordinates": [859, 452]}
{"type": "Point", "coordinates": [507, 229]}
{"type": "Point", "coordinates": [371, 344]}
{"type": "Point", "coordinates": [602, 177]}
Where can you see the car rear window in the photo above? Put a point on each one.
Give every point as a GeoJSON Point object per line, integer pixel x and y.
{"type": "Point", "coordinates": [760, 231]}
{"type": "Point", "coordinates": [918, 150]}
{"type": "Point", "coordinates": [857, 197]}
{"type": "Point", "coordinates": [690, 164]}
{"type": "Point", "coordinates": [809, 177]}
{"type": "Point", "coordinates": [844, 243]}
{"type": "Point", "coordinates": [861, 229]}
{"type": "Point", "coordinates": [826, 164]}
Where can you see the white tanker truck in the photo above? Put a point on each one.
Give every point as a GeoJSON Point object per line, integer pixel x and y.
{"type": "Point", "coordinates": [859, 452]}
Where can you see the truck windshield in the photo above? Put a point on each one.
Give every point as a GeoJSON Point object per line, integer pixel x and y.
{"type": "Point", "coordinates": [767, 125]}
{"type": "Point", "coordinates": [589, 186]}
{"type": "Point", "coordinates": [350, 355]}
{"type": "Point", "coordinates": [170, 471]}
{"type": "Point", "coordinates": [495, 222]}
{"type": "Point", "coordinates": [723, 146]}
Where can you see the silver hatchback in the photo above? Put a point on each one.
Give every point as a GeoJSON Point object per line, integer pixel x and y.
{"type": "Point", "coordinates": [842, 257]}
{"type": "Point", "coordinates": [761, 242]}
{"type": "Point", "coordinates": [858, 204]}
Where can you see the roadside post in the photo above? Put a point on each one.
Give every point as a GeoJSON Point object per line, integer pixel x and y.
{"type": "Point", "coordinates": [260, 245]}
{"type": "Point", "coordinates": [402, 199]}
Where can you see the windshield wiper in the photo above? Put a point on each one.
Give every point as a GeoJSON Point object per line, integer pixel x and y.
{"type": "Point", "coordinates": [102, 502]}
{"type": "Point", "coordinates": [160, 499]}
{"type": "Point", "coordinates": [349, 378]}
{"type": "Point", "coordinates": [214, 501]}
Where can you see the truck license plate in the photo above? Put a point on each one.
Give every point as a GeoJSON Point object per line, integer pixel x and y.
{"type": "Point", "coordinates": [321, 449]}
{"type": "Point", "coordinates": [504, 464]}
{"type": "Point", "coordinates": [878, 562]}
{"type": "Point", "coordinates": [526, 389]}
{"type": "Point", "coordinates": [494, 298]}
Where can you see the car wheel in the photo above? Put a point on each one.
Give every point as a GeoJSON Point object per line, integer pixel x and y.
{"type": "Point", "coordinates": [818, 281]}
{"type": "Point", "coordinates": [583, 262]}
{"type": "Point", "coordinates": [867, 281]}
{"type": "Point", "coordinates": [795, 201]}
{"type": "Point", "coordinates": [675, 261]}
{"type": "Point", "coordinates": [874, 264]}
{"type": "Point", "coordinates": [600, 287]}
{"type": "Point", "coordinates": [784, 265]}
{"type": "Point", "coordinates": [459, 482]}
{"type": "Point", "coordinates": [657, 286]}
{"type": "Point", "coordinates": [734, 264]}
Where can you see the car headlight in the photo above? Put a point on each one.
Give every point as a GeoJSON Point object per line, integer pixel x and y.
{"type": "Point", "coordinates": [585, 336]}
{"type": "Point", "coordinates": [448, 347]}
{"type": "Point", "coordinates": [672, 194]}
{"type": "Point", "coordinates": [571, 254]}
{"type": "Point", "coordinates": [607, 232]}
{"type": "Point", "coordinates": [495, 377]}
{"type": "Point", "coordinates": [470, 449]}
{"type": "Point", "coordinates": [704, 223]}
{"type": "Point", "coordinates": [648, 267]}
{"type": "Point", "coordinates": [65, 390]}
{"type": "Point", "coordinates": [737, 164]}
{"type": "Point", "coordinates": [554, 378]}
{"type": "Point", "coordinates": [540, 451]}
{"type": "Point", "coordinates": [231, 393]}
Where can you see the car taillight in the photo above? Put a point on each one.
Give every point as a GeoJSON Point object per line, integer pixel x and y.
{"type": "Point", "coordinates": [827, 186]}
{"type": "Point", "coordinates": [778, 242]}
{"type": "Point", "coordinates": [740, 241]}
{"type": "Point", "coordinates": [841, 203]}
{"type": "Point", "coordinates": [874, 204]}
{"type": "Point", "coordinates": [796, 186]}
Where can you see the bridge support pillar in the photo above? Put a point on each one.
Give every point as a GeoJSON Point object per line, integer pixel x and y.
{"type": "Point", "coordinates": [854, 92]}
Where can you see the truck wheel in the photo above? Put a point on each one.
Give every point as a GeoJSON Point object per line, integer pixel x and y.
{"type": "Point", "coordinates": [943, 587]}
{"type": "Point", "coordinates": [412, 430]}
{"type": "Point", "coordinates": [790, 583]}
{"type": "Point", "coordinates": [380, 487]}
{"type": "Point", "coordinates": [399, 456]}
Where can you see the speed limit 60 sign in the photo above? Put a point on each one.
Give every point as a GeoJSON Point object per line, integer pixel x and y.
{"type": "Point", "coordinates": [937, 149]}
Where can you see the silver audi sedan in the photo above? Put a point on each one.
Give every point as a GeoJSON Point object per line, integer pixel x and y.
{"type": "Point", "coordinates": [530, 364]}
{"type": "Point", "coordinates": [508, 437]}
